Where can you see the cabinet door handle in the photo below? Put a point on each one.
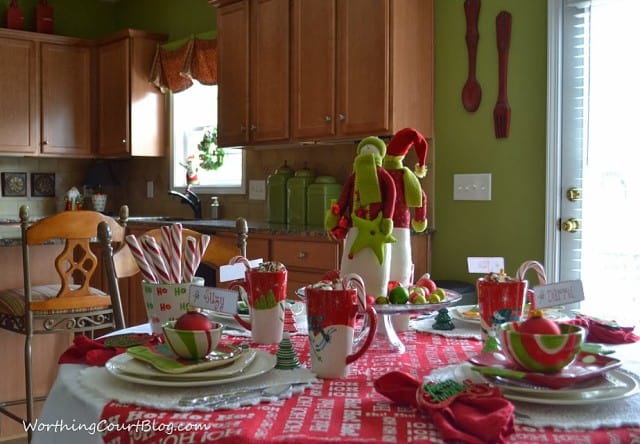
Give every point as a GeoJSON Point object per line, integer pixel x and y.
{"type": "Point", "coordinates": [252, 128]}
{"type": "Point", "coordinates": [45, 142]}
{"type": "Point", "coordinates": [243, 129]}
{"type": "Point", "coordinates": [341, 117]}
{"type": "Point", "coordinates": [124, 141]}
{"type": "Point", "coordinates": [327, 119]}
{"type": "Point", "coordinates": [302, 254]}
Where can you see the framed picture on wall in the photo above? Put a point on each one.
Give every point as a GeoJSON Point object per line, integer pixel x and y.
{"type": "Point", "coordinates": [43, 184]}
{"type": "Point", "coordinates": [14, 184]}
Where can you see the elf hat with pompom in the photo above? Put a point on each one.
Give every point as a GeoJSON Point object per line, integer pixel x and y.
{"type": "Point", "coordinates": [402, 141]}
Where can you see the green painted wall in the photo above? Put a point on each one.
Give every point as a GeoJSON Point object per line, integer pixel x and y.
{"type": "Point", "coordinates": [512, 224]}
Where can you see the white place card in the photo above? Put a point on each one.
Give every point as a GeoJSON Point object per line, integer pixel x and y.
{"type": "Point", "coordinates": [214, 298]}
{"type": "Point", "coordinates": [485, 265]}
{"type": "Point", "coordinates": [559, 293]}
{"type": "Point", "coordinates": [235, 271]}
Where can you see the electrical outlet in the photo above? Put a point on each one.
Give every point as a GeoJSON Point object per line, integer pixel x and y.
{"type": "Point", "coordinates": [150, 189]}
{"type": "Point", "coordinates": [257, 190]}
{"type": "Point", "coordinates": [472, 187]}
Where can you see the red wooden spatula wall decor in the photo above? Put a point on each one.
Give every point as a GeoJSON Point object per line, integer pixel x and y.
{"type": "Point", "coordinates": [471, 92]}
{"type": "Point", "coordinates": [502, 111]}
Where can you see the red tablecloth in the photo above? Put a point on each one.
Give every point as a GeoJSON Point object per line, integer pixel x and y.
{"type": "Point", "coordinates": [346, 410]}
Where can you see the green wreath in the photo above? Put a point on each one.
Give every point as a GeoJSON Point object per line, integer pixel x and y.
{"type": "Point", "coordinates": [211, 155]}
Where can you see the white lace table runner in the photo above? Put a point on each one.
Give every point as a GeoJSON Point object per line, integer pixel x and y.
{"type": "Point", "coordinates": [623, 412]}
{"type": "Point", "coordinates": [94, 381]}
{"type": "Point", "coordinates": [462, 329]}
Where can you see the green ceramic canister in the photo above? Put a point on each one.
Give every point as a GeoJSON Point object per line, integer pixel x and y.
{"type": "Point", "coordinates": [319, 196]}
{"type": "Point", "coordinates": [277, 194]}
{"type": "Point", "coordinates": [297, 197]}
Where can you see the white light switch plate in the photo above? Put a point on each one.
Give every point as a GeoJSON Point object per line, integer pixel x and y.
{"type": "Point", "coordinates": [472, 187]}
{"type": "Point", "coordinates": [257, 190]}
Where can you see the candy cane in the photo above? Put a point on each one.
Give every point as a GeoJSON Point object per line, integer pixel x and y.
{"type": "Point", "coordinates": [176, 250]}
{"type": "Point", "coordinates": [532, 265]}
{"type": "Point", "coordinates": [240, 260]}
{"type": "Point", "coordinates": [138, 255]}
{"type": "Point", "coordinates": [154, 255]}
{"type": "Point", "coordinates": [190, 256]}
{"type": "Point", "coordinates": [355, 281]}
{"type": "Point", "coordinates": [205, 239]}
{"type": "Point", "coordinates": [167, 254]}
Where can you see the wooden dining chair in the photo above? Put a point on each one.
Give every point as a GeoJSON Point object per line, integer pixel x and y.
{"type": "Point", "coordinates": [71, 304]}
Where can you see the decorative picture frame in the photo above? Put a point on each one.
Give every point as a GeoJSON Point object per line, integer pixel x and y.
{"type": "Point", "coordinates": [14, 184]}
{"type": "Point", "coordinates": [43, 184]}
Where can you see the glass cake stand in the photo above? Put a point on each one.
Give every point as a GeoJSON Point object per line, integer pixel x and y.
{"type": "Point", "coordinates": [386, 339]}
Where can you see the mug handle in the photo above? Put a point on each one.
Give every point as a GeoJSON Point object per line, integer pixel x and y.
{"type": "Point", "coordinates": [243, 295]}
{"type": "Point", "coordinates": [373, 326]}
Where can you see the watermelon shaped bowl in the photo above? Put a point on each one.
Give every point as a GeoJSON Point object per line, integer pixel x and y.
{"type": "Point", "coordinates": [545, 353]}
{"type": "Point", "coordinates": [192, 344]}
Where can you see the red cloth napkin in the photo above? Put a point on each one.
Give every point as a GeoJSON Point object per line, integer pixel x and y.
{"type": "Point", "coordinates": [605, 332]}
{"type": "Point", "coordinates": [98, 351]}
{"type": "Point", "coordinates": [469, 417]}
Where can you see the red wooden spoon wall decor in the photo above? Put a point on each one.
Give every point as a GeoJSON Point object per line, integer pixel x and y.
{"type": "Point", "coordinates": [472, 93]}
{"type": "Point", "coordinates": [502, 110]}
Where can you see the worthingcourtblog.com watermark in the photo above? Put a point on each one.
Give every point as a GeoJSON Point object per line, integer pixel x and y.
{"type": "Point", "coordinates": [104, 426]}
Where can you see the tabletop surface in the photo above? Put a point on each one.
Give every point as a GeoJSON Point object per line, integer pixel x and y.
{"type": "Point", "coordinates": [348, 410]}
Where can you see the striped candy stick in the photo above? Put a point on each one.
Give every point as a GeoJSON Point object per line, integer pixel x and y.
{"type": "Point", "coordinates": [165, 248]}
{"type": "Point", "coordinates": [190, 257]}
{"type": "Point", "coordinates": [176, 250]}
{"type": "Point", "coordinates": [138, 255]}
{"type": "Point", "coordinates": [154, 255]}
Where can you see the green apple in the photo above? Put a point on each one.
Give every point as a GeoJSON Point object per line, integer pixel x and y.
{"type": "Point", "coordinates": [399, 295]}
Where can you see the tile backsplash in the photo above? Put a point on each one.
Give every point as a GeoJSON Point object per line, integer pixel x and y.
{"type": "Point", "coordinates": [68, 172]}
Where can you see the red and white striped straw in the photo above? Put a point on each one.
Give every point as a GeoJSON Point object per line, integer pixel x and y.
{"type": "Point", "coordinates": [138, 255]}
{"type": "Point", "coordinates": [165, 247]}
{"type": "Point", "coordinates": [154, 255]}
{"type": "Point", "coordinates": [190, 257]}
{"type": "Point", "coordinates": [176, 251]}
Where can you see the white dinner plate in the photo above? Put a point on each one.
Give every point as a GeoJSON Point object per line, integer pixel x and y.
{"type": "Point", "coordinates": [618, 384]}
{"type": "Point", "coordinates": [262, 363]}
{"type": "Point", "coordinates": [459, 311]}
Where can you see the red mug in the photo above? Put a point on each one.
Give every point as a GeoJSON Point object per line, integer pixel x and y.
{"type": "Point", "coordinates": [500, 302]}
{"type": "Point", "coordinates": [266, 293]}
{"type": "Point", "coordinates": [331, 316]}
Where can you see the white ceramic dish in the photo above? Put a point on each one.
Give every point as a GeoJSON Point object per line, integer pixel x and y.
{"type": "Point", "coordinates": [261, 363]}
{"type": "Point", "coordinates": [618, 384]}
{"type": "Point", "coordinates": [458, 313]}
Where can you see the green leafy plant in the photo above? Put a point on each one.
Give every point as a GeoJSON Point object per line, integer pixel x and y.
{"type": "Point", "coordinates": [211, 155]}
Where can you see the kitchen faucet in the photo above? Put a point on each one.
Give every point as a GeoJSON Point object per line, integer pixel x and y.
{"type": "Point", "coordinates": [191, 199]}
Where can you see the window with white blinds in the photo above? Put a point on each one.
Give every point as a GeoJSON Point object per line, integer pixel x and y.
{"type": "Point", "coordinates": [593, 146]}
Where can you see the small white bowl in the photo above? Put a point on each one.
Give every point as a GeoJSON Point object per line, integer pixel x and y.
{"type": "Point", "coordinates": [192, 344]}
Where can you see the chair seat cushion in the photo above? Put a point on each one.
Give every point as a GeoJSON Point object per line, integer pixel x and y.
{"type": "Point", "coordinates": [12, 301]}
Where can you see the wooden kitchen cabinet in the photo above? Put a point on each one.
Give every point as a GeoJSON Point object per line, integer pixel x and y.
{"type": "Point", "coordinates": [253, 72]}
{"type": "Point", "coordinates": [131, 111]}
{"type": "Point", "coordinates": [18, 110]}
{"type": "Point", "coordinates": [45, 85]}
{"type": "Point", "coordinates": [361, 67]}
{"type": "Point", "coordinates": [66, 99]}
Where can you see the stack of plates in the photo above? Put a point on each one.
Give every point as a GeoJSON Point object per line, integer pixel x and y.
{"type": "Point", "coordinates": [590, 379]}
{"type": "Point", "coordinates": [470, 313]}
{"type": "Point", "coordinates": [158, 366]}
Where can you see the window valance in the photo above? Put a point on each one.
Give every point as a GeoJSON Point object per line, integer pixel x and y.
{"type": "Point", "coordinates": [177, 64]}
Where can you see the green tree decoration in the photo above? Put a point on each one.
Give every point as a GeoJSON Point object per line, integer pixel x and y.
{"type": "Point", "coordinates": [443, 321]}
{"type": "Point", "coordinates": [286, 357]}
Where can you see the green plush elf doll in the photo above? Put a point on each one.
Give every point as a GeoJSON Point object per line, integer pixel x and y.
{"type": "Point", "coordinates": [363, 216]}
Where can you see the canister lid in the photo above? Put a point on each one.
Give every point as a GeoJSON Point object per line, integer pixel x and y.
{"type": "Point", "coordinates": [284, 170]}
{"type": "Point", "coordinates": [325, 179]}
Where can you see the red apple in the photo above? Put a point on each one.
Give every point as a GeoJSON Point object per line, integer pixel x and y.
{"type": "Point", "coordinates": [391, 285]}
{"type": "Point", "coordinates": [428, 283]}
{"type": "Point", "coordinates": [371, 300]}
{"type": "Point", "coordinates": [193, 320]}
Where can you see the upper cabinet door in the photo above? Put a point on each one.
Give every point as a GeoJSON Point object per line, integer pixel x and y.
{"type": "Point", "coordinates": [269, 116]}
{"type": "Point", "coordinates": [313, 80]}
{"type": "Point", "coordinates": [113, 98]}
{"type": "Point", "coordinates": [233, 74]}
{"type": "Point", "coordinates": [18, 103]}
{"type": "Point", "coordinates": [363, 87]}
{"type": "Point", "coordinates": [66, 99]}
{"type": "Point", "coordinates": [253, 72]}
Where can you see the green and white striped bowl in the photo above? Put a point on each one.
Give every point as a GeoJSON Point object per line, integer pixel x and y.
{"type": "Point", "coordinates": [192, 344]}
